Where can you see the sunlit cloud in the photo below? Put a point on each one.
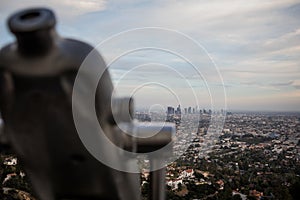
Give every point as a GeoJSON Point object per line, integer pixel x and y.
{"type": "Point", "coordinates": [64, 8]}
{"type": "Point", "coordinates": [296, 84]}
{"type": "Point", "coordinates": [255, 44]}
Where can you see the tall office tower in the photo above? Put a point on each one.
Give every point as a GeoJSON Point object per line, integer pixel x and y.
{"type": "Point", "coordinates": [190, 110]}
{"type": "Point", "coordinates": [178, 109]}
{"type": "Point", "coordinates": [170, 114]}
{"type": "Point", "coordinates": [185, 111]}
{"type": "Point", "coordinates": [170, 110]}
{"type": "Point", "coordinates": [178, 113]}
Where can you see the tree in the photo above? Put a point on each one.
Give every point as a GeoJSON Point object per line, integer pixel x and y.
{"type": "Point", "coordinates": [226, 193]}
{"type": "Point", "coordinates": [236, 197]}
{"type": "Point", "coordinates": [179, 187]}
{"type": "Point", "coordinates": [294, 190]}
{"type": "Point", "coordinates": [251, 198]}
{"type": "Point", "coordinates": [199, 176]}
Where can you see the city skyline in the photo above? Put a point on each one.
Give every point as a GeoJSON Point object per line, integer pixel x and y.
{"type": "Point", "coordinates": [255, 46]}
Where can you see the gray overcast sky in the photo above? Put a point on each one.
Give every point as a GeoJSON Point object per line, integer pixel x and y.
{"type": "Point", "coordinates": [255, 44]}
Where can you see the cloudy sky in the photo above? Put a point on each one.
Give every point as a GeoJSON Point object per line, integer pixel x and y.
{"type": "Point", "coordinates": [194, 50]}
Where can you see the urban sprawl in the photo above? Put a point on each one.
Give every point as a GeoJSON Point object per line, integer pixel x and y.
{"type": "Point", "coordinates": [253, 155]}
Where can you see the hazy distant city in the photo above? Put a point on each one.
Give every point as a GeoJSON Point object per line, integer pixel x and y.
{"type": "Point", "coordinates": [255, 156]}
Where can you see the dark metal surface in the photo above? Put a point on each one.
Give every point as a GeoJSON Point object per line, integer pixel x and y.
{"type": "Point", "coordinates": [36, 78]}
{"type": "Point", "coordinates": [157, 182]}
{"type": "Point", "coordinates": [37, 74]}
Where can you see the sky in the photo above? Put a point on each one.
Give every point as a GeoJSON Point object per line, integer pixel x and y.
{"type": "Point", "coordinates": [237, 54]}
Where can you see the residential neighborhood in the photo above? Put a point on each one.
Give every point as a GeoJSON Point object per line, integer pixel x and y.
{"type": "Point", "coordinates": [256, 156]}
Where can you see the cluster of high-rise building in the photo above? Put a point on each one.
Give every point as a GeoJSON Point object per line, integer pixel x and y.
{"type": "Point", "coordinates": [174, 115]}
{"type": "Point", "coordinates": [142, 117]}
{"type": "Point", "coordinates": [196, 110]}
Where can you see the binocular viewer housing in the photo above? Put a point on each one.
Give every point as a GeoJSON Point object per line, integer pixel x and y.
{"type": "Point", "coordinates": [37, 76]}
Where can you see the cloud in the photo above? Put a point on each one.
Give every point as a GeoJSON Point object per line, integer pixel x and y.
{"type": "Point", "coordinates": [63, 8]}
{"type": "Point", "coordinates": [66, 12]}
{"type": "Point", "coordinates": [256, 44]}
{"type": "Point", "coordinates": [287, 39]}
{"type": "Point", "coordinates": [269, 85]}
{"type": "Point", "coordinates": [281, 84]}
{"type": "Point", "coordinates": [296, 84]}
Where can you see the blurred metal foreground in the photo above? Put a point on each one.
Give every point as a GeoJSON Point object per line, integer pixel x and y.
{"type": "Point", "coordinates": [37, 74]}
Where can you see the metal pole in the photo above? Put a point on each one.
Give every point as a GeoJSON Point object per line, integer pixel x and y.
{"type": "Point", "coordinates": [157, 181]}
